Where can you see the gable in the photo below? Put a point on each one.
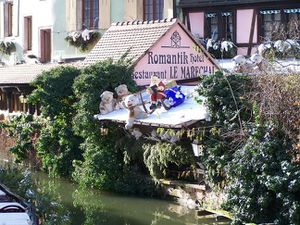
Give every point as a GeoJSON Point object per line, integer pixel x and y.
{"type": "Point", "coordinates": [175, 56]}
{"type": "Point", "coordinates": [132, 39]}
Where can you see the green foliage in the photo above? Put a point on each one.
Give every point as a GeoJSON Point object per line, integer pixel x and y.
{"type": "Point", "coordinates": [159, 156]}
{"type": "Point", "coordinates": [24, 129]}
{"type": "Point", "coordinates": [57, 145]}
{"type": "Point", "coordinates": [53, 91]}
{"type": "Point", "coordinates": [265, 184]}
{"type": "Point", "coordinates": [250, 146]}
{"type": "Point", "coordinates": [110, 159]}
{"type": "Point", "coordinates": [94, 80]}
{"type": "Point", "coordinates": [225, 99]}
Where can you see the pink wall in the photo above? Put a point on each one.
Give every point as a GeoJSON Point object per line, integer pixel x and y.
{"type": "Point", "coordinates": [173, 62]}
{"type": "Point", "coordinates": [243, 24]}
{"type": "Point", "coordinates": [197, 23]}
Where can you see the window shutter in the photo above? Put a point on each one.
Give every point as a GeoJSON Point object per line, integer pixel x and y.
{"type": "Point", "coordinates": [71, 14]}
{"type": "Point", "coordinates": [1, 20]}
{"type": "Point", "coordinates": [15, 22]}
{"type": "Point", "coordinates": [104, 10]}
{"type": "Point", "coordinates": [6, 20]}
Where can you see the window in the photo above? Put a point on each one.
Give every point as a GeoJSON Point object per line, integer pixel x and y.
{"type": "Point", "coordinates": [45, 37]}
{"type": "Point", "coordinates": [90, 14]}
{"type": "Point", "coordinates": [280, 24]}
{"type": "Point", "coordinates": [153, 9]}
{"type": "Point", "coordinates": [292, 17]}
{"type": "Point", "coordinates": [28, 33]}
{"type": "Point", "coordinates": [271, 21]}
{"type": "Point", "coordinates": [219, 26]}
{"type": "Point", "coordinates": [8, 18]}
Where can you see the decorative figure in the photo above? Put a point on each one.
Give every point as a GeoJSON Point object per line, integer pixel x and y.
{"type": "Point", "coordinates": [107, 103]}
{"type": "Point", "coordinates": [136, 133]}
{"type": "Point", "coordinates": [122, 92]}
{"type": "Point", "coordinates": [134, 111]}
{"type": "Point", "coordinates": [156, 90]}
{"type": "Point", "coordinates": [174, 96]}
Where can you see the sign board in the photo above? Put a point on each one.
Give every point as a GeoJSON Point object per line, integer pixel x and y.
{"type": "Point", "coordinates": [175, 56]}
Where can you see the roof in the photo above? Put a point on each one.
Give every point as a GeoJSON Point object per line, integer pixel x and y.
{"type": "Point", "coordinates": [133, 38]}
{"type": "Point", "coordinates": [26, 73]}
{"type": "Point", "coordinates": [204, 3]}
{"type": "Point", "coordinates": [22, 74]}
{"type": "Point", "coordinates": [181, 116]}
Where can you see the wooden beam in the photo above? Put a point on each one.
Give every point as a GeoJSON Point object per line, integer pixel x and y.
{"type": "Point", "coordinates": [252, 32]}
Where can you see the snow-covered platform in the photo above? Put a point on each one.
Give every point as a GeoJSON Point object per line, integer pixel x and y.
{"type": "Point", "coordinates": [280, 66]}
{"type": "Point", "coordinates": [184, 115]}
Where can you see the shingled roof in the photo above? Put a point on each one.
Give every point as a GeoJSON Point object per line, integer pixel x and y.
{"type": "Point", "coordinates": [130, 38]}
{"type": "Point", "coordinates": [22, 74]}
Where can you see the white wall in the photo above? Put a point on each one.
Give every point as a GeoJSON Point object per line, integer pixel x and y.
{"type": "Point", "coordinates": [46, 14]}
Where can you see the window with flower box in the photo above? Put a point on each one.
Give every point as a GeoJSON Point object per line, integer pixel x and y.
{"type": "Point", "coordinates": [90, 14]}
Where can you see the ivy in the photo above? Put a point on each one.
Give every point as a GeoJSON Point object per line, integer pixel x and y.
{"type": "Point", "coordinates": [24, 129]}
{"type": "Point", "coordinates": [111, 158]}
{"type": "Point", "coordinates": [57, 144]}
{"type": "Point", "coordinates": [158, 157]}
{"type": "Point", "coordinates": [249, 147]}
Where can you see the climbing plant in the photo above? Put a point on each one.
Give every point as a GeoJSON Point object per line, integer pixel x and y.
{"type": "Point", "coordinates": [57, 144]}
{"type": "Point", "coordinates": [108, 159]}
{"type": "Point", "coordinates": [252, 144]}
{"type": "Point", "coordinates": [225, 97]}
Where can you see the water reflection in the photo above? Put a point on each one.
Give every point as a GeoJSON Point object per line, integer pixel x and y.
{"type": "Point", "coordinates": [91, 207]}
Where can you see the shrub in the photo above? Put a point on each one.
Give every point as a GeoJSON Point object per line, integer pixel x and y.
{"type": "Point", "coordinates": [108, 161]}
{"type": "Point", "coordinates": [57, 145]}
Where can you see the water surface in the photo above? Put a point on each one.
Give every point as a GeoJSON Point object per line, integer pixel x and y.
{"type": "Point", "coordinates": [91, 207]}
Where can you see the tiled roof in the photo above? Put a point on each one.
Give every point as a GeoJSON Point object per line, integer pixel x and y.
{"type": "Point", "coordinates": [26, 73]}
{"type": "Point", "coordinates": [22, 74]}
{"type": "Point", "coordinates": [130, 38]}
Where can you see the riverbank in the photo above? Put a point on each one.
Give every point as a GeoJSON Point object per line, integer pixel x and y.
{"type": "Point", "coordinates": [64, 203]}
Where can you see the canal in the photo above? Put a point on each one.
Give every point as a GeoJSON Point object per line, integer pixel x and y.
{"type": "Point", "coordinates": [71, 205]}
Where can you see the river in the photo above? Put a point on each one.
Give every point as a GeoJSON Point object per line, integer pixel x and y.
{"type": "Point", "coordinates": [73, 206]}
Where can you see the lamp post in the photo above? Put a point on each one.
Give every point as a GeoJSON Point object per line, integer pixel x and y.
{"type": "Point", "coordinates": [197, 149]}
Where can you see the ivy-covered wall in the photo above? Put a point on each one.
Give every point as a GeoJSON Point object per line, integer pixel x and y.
{"type": "Point", "coordinates": [251, 146]}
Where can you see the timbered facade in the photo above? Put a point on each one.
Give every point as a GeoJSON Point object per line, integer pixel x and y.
{"type": "Point", "coordinates": [247, 23]}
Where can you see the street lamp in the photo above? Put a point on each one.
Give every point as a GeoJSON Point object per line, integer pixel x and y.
{"type": "Point", "coordinates": [197, 149]}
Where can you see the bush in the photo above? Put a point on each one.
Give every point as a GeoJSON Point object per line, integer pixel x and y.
{"type": "Point", "coordinates": [160, 156]}
{"type": "Point", "coordinates": [109, 158]}
{"type": "Point", "coordinates": [225, 97]}
{"type": "Point", "coordinates": [252, 145]}
{"type": "Point", "coordinates": [24, 129]}
{"type": "Point", "coordinates": [57, 144]}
